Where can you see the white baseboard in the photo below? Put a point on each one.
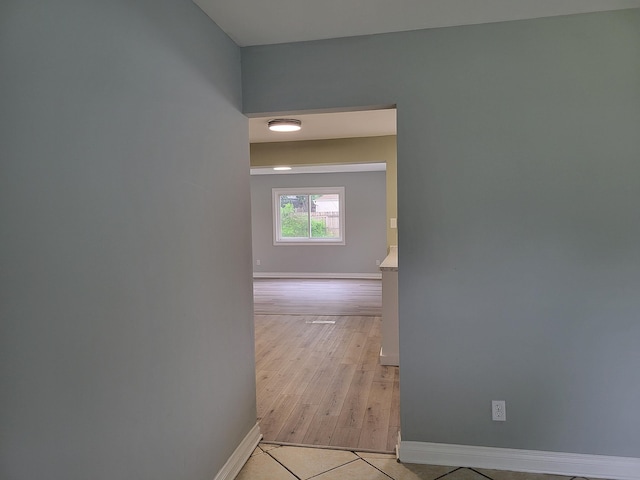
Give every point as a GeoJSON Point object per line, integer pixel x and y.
{"type": "Point", "coordinates": [241, 454]}
{"type": "Point", "coordinates": [357, 276]}
{"type": "Point", "coordinates": [570, 464]}
{"type": "Point", "coordinates": [389, 359]}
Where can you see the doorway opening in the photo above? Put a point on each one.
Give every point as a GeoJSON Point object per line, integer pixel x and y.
{"type": "Point", "coordinates": [318, 306]}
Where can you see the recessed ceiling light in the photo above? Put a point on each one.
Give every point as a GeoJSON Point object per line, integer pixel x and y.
{"type": "Point", "coordinates": [285, 125]}
{"type": "Point", "coordinates": [282, 168]}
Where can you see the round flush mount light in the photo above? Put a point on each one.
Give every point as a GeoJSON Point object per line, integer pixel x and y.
{"type": "Point", "coordinates": [285, 125]}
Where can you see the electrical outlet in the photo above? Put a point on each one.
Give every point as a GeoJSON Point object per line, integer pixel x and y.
{"type": "Point", "coordinates": [498, 411]}
{"type": "Point", "coordinates": [378, 262]}
{"type": "Point", "coordinates": [393, 223]}
{"type": "Point", "coordinates": [258, 262]}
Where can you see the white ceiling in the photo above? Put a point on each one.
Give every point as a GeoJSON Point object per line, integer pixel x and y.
{"type": "Point", "coordinates": [370, 123]}
{"type": "Point", "coordinates": [262, 22]}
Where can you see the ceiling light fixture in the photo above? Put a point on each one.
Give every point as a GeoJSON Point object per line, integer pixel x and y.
{"type": "Point", "coordinates": [282, 168]}
{"type": "Point", "coordinates": [285, 125]}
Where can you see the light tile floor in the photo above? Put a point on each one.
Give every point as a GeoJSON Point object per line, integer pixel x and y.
{"type": "Point", "coordinates": [275, 462]}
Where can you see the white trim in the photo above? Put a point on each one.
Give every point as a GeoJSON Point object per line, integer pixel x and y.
{"type": "Point", "coordinates": [533, 461]}
{"type": "Point", "coordinates": [356, 276]}
{"type": "Point", "coordinates": [393, 360]}
{"type": "Point", "coordinates": [344, 168]}
{"type": "Point", "coordinates": [241, 454]}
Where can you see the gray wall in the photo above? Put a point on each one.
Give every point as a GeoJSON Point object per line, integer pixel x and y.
{"type": "Point", "coordinates": [365, 218]}
{"type": "Point", "coordinates": [518, 192]}
{"type": "Point", "coordinates": [125, 278]}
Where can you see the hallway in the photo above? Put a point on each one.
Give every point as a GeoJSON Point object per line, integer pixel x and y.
{"type": "Point", "coordinates": [319, 381]}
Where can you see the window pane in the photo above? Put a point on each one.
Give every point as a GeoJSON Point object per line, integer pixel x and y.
{"type": "Point", "coordinates": [325, 215]}
{"type": "Point", "coordinates": [313, 215]}
{"type": "Point", "coordinates": [294, 216]}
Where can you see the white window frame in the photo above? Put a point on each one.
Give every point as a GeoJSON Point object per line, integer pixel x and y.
{"type": "Point", "coordinates": [278, 240]}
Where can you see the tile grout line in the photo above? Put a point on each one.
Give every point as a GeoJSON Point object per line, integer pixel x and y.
{"type": "Point", "coordinates": [282, 464]}
{"type": "Point", "coordinates": [358, 457]}
{"type": "Point", "coordinates": [339, 466]}
{"type": "Point", "coordinates": [449, 473]}
{"type": "Point", "coordinates": [480, 473]}
{"type": "Point", "coordinates": [381, 471]}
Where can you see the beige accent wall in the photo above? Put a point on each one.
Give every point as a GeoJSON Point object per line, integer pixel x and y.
{"type": "Point", "coordinates": [337, 151]}
{"type": "Point", "coordinates": [392, 196]}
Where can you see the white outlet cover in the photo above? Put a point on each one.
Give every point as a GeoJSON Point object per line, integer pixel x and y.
{"type": "Point", "coordinates": [498, 411]}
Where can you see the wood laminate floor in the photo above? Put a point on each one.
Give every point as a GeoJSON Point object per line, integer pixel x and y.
{"type": "Point", "coordinates": [319, 381]}
{"type": "Point", "coordinates": [317, 296]}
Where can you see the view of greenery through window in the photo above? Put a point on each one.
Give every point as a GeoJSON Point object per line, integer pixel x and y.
{"type": "Point", "coordinates": [309, 216]}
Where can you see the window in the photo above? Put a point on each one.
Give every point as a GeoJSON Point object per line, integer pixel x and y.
{"type": "Point", "coordinates": [304, 216]}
